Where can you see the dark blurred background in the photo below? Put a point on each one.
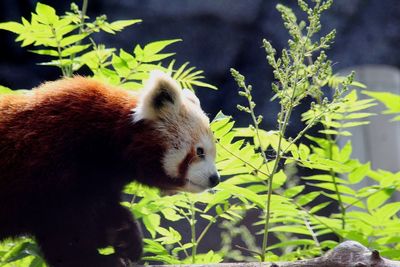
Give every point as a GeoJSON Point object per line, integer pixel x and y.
{"type": "Point", "coordinates": [218, 35]}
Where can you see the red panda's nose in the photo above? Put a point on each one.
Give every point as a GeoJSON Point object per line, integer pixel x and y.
{"type": "Point", "coordinates": [214, 180]}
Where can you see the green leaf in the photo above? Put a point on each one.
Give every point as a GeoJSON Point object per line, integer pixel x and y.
{"type": "Point", "coordinates": [106, 251]}
{"type": "Point", "coordinates": [37, 262]}
{"type": "Point", "coordinates": [167, 259]}
{"type": "Point", "coordinates": [307, 198]}
{"type": "Point", "coordinates": [293, 191]}
{"type": "Point", "coordinates": [46, 13]}
{"type": "Point", "coordinates": [47, 52]}
{"type": "Point", "coordinates": [72, 39]}
{"type": "Point", "coordinates": [387, 211]}
{"type": "Point", "coordinates": [119, 25]}
{"type": "Point", "coordinates": [359, 173]}
{"type": "Point", "coordinates": [303, 151]}
{"type": "Point", "coordinates": [74, 50]}
{"type": "Point", "coordinates": [324, 178]}
{"type": "Point", "coordinates": [121, 66]}
{"type": "Point", "coordinates": [155, 47]}
{"type": "Point", "coordinates": [379, 198]}
{"type": "Point", "coordinates": [245, 193]}
{"type": "Point", "coordinates": [169, 236]}
{"type": "Point", "coordinates": [203, 84]}
{"type": "Point", "coordinates": [138, 52]}
{"type": "Point", "coordinates": [12, 26]}
{"type": "Point", "coordinates": [390, 100]}
{"type": "Point", "coordinates": [291, 229]}
{"type": "Point", "coordinates": [156, 57]}
{"type": "Point", "coordinates": [330, 186]}
{"type": "Point", "coordinates": [152, 223]}
{"type": "Point", "coordinates": [345, 153]}
{"type": "Point", "coordinates": [131, 86]}
{"type": "Point", "coordinates": [171, 214]}
{"type": "Point", "coordinates": [155, 247]}
{"type": "Point", "coordinates": [319, 207]}
{"type": "Point", "coordinates": [128, 58]}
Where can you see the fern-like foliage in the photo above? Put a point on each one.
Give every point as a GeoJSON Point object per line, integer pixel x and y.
{"type": "Point", "coordinates": [390, 100]}
{"type": "Point", "coordinates": [67, 41]}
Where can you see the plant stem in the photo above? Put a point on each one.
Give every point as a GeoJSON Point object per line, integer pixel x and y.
{"type": "Point", "coordinates": [245, 162]}
{"type": "Point", "coordinates": [282, 131]}
{"type": "Point", "coordinates": [184, 249]}
{"type": "Point", "coordinates": [297, 205]}
{"type": "Point", "coordinates": [333, 176]}
{"type": "Point", "coordinates": [63, 70]}
{"type": "Point", "coordinates": [335, 183]}
{"type": "Point", "coordinates": [193, 230]}
{"type": "Point", "coordinates": [205, 230]}
{"type": "Point", "coordinates": [83, 13]}
{"type": "Point", "coordinates": [269, 196]}
{"type": "Point", "coordinates": [81, 30]}
{"type": "Point", "coordinates": [331, 171]}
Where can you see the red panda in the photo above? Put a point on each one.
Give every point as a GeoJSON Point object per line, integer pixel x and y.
{"type": "Point", "coordinates": [68, 147]}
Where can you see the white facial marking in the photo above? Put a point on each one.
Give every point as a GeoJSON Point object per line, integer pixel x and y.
{"type": "Point", "coordinates": [200, 171]}
{"type": "Point", "coordinates": [181, 122]}
{"type": "Point", "coordinates": [172, 159]}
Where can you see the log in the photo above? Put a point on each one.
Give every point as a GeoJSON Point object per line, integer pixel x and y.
{"type": "Point", "coordinates": [346, 254]}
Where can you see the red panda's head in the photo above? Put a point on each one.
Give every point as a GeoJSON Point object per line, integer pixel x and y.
{"type": "Point", "coordinates": [188, 157]}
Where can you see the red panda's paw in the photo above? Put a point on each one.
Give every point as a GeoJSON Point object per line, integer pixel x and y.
{"type": "Point", "coordinates": [128, 242]}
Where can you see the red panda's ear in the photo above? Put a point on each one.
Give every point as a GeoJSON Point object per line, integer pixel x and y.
{"type": "Point", "coordinates": [191, 96]}
{"type": "Point", "coordinates": [161, 97]}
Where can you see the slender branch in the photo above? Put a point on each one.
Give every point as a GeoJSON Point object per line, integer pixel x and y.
{"type": "Point", "coordinates": [64, 72]}
{"type": "Point", "coordinates": [205, 230]}
{"type": "Point", "coordinates": [184, 249]}
{"type": "Point", "coordinates": [282, 132]}
{"type": "Point", "coordinates": [245, 162]}
{"type": "Point", "coordinates": [249, 250]}
{"type": "Point", "coordinates": [193, 230]}
{"type": "Point", "coordinates": [132, 71]}
{"type": "Point", "coordinates": [367, 196]}
{"type": "Point", "coordinates": [81, 30]}
{"type": "Point", "coordinates": [83, 14]}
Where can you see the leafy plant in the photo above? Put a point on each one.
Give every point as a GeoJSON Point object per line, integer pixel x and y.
{"type": "Point", "coordinates": [67, 41]}
{"type": "Point", "coordinates": [303, 71]}
{"type": "Point", "coordinates": [261, 164]}
{"type": "Point", "coordinates": [390, 100]}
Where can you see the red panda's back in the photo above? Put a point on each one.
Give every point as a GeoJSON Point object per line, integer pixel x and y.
{"type": "Point", "coordinates": [40, 129]}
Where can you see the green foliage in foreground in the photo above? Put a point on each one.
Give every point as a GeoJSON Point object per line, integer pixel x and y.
{"type": "Point", "coordinates": [390, 100]}
{"type": "Point", "coordinates": [261, 163]}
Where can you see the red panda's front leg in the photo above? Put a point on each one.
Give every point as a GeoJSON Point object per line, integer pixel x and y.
{"type": "Point", "coordinates": [75, 242]}
{"type": "Point", "coordinates": [60, 251]}
{"type": "Point", "coordinates": [125, 235]}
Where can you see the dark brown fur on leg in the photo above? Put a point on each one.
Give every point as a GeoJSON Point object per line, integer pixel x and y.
{"type": "Point", "coordinates": [75, 242]}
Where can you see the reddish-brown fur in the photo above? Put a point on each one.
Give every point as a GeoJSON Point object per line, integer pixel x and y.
{"type": "Point", "coordinates": [184, 165]}
{"type": "Point", "coordinates": [66, 151]}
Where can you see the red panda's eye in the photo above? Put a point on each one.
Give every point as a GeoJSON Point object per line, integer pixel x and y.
{"type": "Point", "coordinates": [200, 152]}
